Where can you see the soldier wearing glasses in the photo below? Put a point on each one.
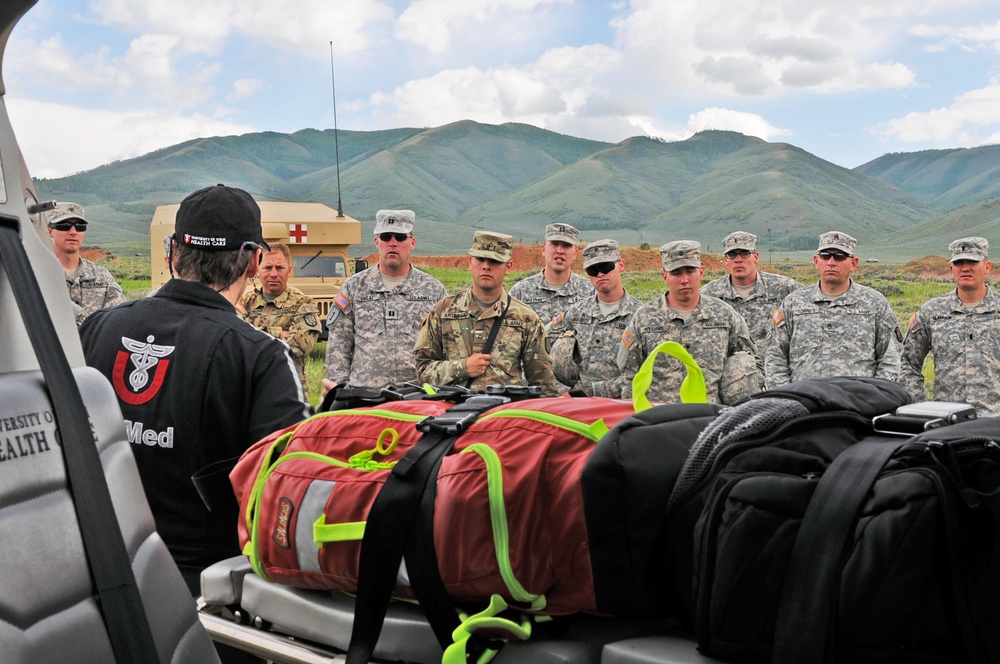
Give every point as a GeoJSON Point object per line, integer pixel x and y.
{"type": "Point", "coordinates": [377, 313]}
{"type": "Point", "coordinates": [835, 327]}
{"type": "Point", "coordinates": [754, 294]}
{"type": "Point", "coordinates": [586, 336]}
{"type": "Point", "coordinates": [91, 287]}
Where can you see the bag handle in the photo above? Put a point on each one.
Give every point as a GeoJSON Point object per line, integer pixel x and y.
{"type": "Point", "coordinates": [693, 388]}
{"type": "Point", "coordinates": [108, 559]}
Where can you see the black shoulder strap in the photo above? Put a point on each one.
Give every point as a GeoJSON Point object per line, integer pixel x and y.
{"type": "Point", "coordinates": [107, 557]}
{"type": "Point", "coordinates": [392, 518]}
{"type": "Point", "coordinates": [807, 611]}
{"type": "Point", "coordinates": [494, 331]}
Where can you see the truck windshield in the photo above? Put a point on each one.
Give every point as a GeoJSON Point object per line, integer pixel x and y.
{"type": "Point", "coordinates": [320, 266]}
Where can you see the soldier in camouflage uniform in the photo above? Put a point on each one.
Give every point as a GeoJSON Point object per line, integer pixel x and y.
{"type": "Point", "coordinates": [754, 294]}
{"type": "Point", "coordinates": [376, 315]}
{"type": "Point", "coordinates": [555, 288]}
{"type": "Point", "coordinates": [91, 287]}
{"type": "Point", "coordinates": [711, 331]}
{"type": "Point", "coordinates": [586, 336]}
{"type": "Point", "coordinates": [281, 310]}
{"type": "Point", "coordinates": [835, 327]}
{"type": "Point", "coordinates": [449, 348]}
{"type": "Point", "coordinates": [962, 331]}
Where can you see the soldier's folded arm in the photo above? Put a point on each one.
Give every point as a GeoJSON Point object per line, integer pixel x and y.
{"type": "Point", "coordinates": [887, 359]}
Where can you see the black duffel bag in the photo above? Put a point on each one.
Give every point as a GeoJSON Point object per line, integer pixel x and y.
{"type": "Point", "coordinates": [766, 453]}
{"type": "Point", "coordinates": [898, 557]}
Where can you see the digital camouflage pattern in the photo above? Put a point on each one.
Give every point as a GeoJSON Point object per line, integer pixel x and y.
{"type": "Point", "coordinates": [970, 249]}
{"type": "Point", "coordinates": [455, 329]}
{"type": "Point", "coordinates": [739, 240]}
{"type": "Point", "coordinates": [712, 333]}
{"type": "Point", "coordinates": [394, 221]}
{"type": "Point", "coordinates": [372, 329]}
{"type": "Point", "coordinates": [601, 251]}
{"type": "Point", "coordinates": [585, 346]}
{"type": "Point", "coordinates": [562, 233]}
{"type": "Point", "coordinates": [815, 336]}
{"type": "Point", "coordinates": [291, 317]}
{"type": "Point", "coordinates": [837, 240]}
{"type": "Point", "coordinates": [92, 288]}
{"type": "Point", "coordinates": [965, 342]}
{"type": "Point", "coordinates": [547, 301]}
{"type": "Point", "coordinates": [680, 253]}
{"type": "Point", "coordinates": [769, 291]}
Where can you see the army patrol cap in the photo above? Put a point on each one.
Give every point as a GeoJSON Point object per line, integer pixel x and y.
{"type": "Point", "coordinates": [837, 240]}
{"type": "Point", "coordinates": [601, 251]}
{"type": "Point", "coordinates": [562, 233]}
{"type": "Point", "coordinates": [739, 240]}
{"type": "Point", "coordinates": [680, 253]}
{"type": "Point", "coordinates": [65, 212]}
{"type": "Point", "coordinates": [970, 249]}
{"type": "Point", "coordinates": [394, 221]}
{"type": "Point", "coordinates": [218, 218]}
{"type": "Point", "coordinates": [495, 246]}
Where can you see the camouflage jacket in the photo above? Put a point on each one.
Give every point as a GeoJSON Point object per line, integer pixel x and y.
{"type": "Point", "coordinates": [585, 346]}
{"type": "Point", "coordinates": [92, 288]}
{"type": "Point", "coordinates": [712, 333]}
{"type": "Point", "coordinates": [547, 302]}
{"type": "Point", "coordinates": [454, 330]}
{"type": "Point", "coordinates": [856, 334]}
{"type": "Point", "coordinates": [372, 329]}
{"type": "Point", "coordinates": [291, 317]}
{"type": "Point", "coordinates": [769, 291]}
{"type": "Point", "coordinates": [965, 342]}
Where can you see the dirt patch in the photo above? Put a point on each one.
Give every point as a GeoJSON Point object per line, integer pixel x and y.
{"type": "Point", "coordinates": [929, 267]}
{"type": "Point", "coordinates": [529, 257]}
{"type": "Point", "coordinates": [92, 254]}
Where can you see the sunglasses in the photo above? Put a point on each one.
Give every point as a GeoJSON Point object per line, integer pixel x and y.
{"type": "Point", "coordinates": [399, 237]}
{"type": "Point", "coordinates": [835, 255]}
{"type": "Point", "coordinates": [742, 253]}
{"type": "Point", "coordinates": [80, 226]}
{"type": "Point", "coordinates": [600, 268]}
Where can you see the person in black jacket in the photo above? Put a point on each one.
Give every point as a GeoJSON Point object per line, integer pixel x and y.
{"type": "Point", "coordinates": [196, 384]}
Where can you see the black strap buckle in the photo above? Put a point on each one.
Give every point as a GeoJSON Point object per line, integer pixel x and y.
{"type": "Point", "coordinates": [458, 418]}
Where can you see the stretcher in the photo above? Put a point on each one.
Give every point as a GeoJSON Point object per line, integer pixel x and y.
{"type": "Point", "coordinates": [287, 625]}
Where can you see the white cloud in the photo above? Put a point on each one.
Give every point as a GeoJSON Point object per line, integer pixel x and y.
{"type": "Point", "coordinates": [204, 27]}
{"type": "Point", "coordinates": [986, 35]}
{"type": "Point", "coordinates": [724, 118]}
{"type": "Point", "coordinates": [964, 123]}
{"type": "Point", "coordinates": [766, 47]}
{"type": "Point", "coordinates": [243, 88]}
{"type": "Point", "coordinates": [431, 23]}
{"type": "Point", "coordinates": [54, 147]}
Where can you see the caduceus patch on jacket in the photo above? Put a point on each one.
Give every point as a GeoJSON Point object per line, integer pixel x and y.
{"type": "Point", "coordinates": [140, 370]}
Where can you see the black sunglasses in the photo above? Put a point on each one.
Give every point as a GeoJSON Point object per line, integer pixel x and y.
{"type": "Point", "coordinates": [742, 253]}
{"type": "Point", "coordinates": [80, 226]}
{"type": "Point", "coordinates": [399, 237]}
{"type": "Point", "coordinates": [835, 255]}
{"type": "Point", "coordinates": [601, 268]}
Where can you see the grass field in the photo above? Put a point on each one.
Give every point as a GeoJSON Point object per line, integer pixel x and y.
{"type": "Point", "coordinates": [905, 292]}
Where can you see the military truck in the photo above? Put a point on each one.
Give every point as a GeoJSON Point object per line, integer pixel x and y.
{"type": "Point", "coordinates": [316, 235]}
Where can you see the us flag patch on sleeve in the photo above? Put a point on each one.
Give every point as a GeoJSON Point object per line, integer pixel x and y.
{"type": "Point", "coordinates": [913, 321]}
{"type": "Point", "coordinates": [556, 319]}
{"type": "Point", "coordinates": [342, 301]}
{"type": "Point", "coordinates": [628, 339]}
{"type": "Point", "coordinates": [778, 317]}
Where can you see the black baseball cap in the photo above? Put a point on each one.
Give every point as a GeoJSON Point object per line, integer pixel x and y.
{"type": "Point", "coordinates": [218, 218]}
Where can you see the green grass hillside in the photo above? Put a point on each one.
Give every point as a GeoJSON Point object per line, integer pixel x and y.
{"type": "Point", "coordinates": [518, 178]}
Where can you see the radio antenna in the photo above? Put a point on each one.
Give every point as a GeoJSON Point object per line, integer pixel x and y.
{"type": "Point", "coordinates": [336, 141]}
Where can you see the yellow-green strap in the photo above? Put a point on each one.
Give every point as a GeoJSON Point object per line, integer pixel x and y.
{"type": "Point", "coordinates": [594, 431]}
{"type": "Point", "coordinates": [692, 389]}
{"type": "Point", "coordinates": [489, 618]}
{"type": "Point", "coordinates": [498, 521]}
{"type": "Point", "coordinates": [324, 532]}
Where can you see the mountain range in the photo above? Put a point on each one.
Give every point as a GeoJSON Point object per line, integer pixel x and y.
{"type": "Point", "coordinates": [517, 178]}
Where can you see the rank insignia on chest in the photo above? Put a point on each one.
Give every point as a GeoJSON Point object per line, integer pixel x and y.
{"type": "Point", "coordinates": [391, 314]}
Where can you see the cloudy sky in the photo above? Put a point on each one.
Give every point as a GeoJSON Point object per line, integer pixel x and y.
{"type": "Point", "coordinates": [89, 82]}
